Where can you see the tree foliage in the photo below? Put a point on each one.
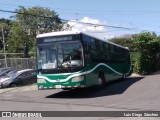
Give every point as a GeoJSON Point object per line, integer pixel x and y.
{"type": "Point", "coordinates": [125, 41]}
{"type": "Point", "coordinates": [38, 19]}
{"type": "Point", "coordinates": [28, 22]}
{"type": "Point", "coordinates": [17, 38]}
{"type": "Point", "coordinates": [5, 23]}
{"type": "Point", "coordinates": [145, 51]}
{"type": "Point", "coordinates": [148, 45]}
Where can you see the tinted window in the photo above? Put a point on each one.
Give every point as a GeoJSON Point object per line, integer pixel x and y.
{"type": "Point", "coordinates": [87, 43]}
{"type": "Point", "coordinates": [23, 75]}
{"type": "Point", "coordinates": [93, 44]}
{"type": "Point", "coordinates": [86, 39]}
{"type": "Point", "coordinates": [101, 46]}
{"type": "Point", "coordinates": [33, 72]}
{"type": "Point", "coordinates": [112, 48]}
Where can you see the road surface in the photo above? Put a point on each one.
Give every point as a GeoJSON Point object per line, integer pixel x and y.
{"type": "Point", "coordinates": [136, 93]}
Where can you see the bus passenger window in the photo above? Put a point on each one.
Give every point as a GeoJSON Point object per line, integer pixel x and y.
{"type": "Point", "coordinates": [112, 48]}
{"type": "Point", "coordinates": [93, 45]}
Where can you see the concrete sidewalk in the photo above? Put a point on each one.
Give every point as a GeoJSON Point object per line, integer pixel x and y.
{"type": "Point", "coordinates": [19, 89]}
{"type": "Point", "coordinates": [136, 75]}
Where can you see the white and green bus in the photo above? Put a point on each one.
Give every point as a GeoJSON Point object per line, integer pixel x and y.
{"type": "Point", "coordinates": [70, 60]}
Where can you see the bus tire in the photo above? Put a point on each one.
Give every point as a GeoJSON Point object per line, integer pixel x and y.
{"type": "Point", "coordinates": [124, 76]}
{"type": "Point", "coordinates": [101, 80]}
{"type": "Point", "coordinates": [66, 89]}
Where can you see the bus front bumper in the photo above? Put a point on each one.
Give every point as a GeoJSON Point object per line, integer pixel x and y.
{"type": "Point", "coordinates": [78, 82]}
{"type": "Point", "coordinates": [42, 87]}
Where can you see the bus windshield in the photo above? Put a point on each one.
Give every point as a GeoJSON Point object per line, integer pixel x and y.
{"type": "Point", "coordinates": [60, 55]}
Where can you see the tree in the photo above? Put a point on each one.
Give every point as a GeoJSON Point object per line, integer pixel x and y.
{"type": "Point", "coordinates": [148, 45]}
{"type": "Point", "coordinates": [28, 22]}
{"type": "Point", "coordinates": [38, 20]}
{"type": "Point", "coordinates": [125, 41]}
{"type": "Point", "coordinates": [17, 38]}
{"type": "Point", "coordinates": [145, 51]}
{"type": "Point", "coordinates": [5, 25]}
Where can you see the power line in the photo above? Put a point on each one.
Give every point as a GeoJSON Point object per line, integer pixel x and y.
{"type": "Point", "coordinates": [101, 14]}
{"type": "Point", "coordinates": [64, 19]}
{"type": "Point", "coordinates": [98, 12]}
{"type": "Point", "coordinates": [97, 25]}
{"type": "Point", "coordinates": [8, 11]}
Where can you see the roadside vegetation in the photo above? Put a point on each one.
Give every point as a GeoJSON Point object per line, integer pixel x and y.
{"type": "Point", "coordinates": [21, 30]}
{"type": "Point", "coordinates": [145, 51]}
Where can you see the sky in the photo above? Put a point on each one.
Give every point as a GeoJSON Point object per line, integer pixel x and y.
{"type": "Point", "coordinates": [137, 15]}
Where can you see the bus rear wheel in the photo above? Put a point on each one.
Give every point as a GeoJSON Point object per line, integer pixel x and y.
{"type": "Point", "coordinates": [101, 80]}
{"type": "Point", "coordinates": [124, 76]}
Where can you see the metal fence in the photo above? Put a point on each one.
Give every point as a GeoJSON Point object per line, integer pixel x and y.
{"type": "Point", "coordinates": [19, 63]}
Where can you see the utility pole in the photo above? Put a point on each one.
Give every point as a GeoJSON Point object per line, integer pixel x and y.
{"type": "Point", "coordinates": [4, 48]}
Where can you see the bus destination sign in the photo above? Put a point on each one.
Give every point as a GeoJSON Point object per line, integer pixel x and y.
{"type": "Point", "coordinates": [52, 39]}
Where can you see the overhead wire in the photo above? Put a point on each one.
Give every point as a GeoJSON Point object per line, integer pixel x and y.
{"type": "Point", "coordinates": [64, 20]}
{"type": "Point", "coordinates": [98, 12]}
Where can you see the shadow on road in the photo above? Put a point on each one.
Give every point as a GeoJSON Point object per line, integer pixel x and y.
{"type": "Point", "coordinates": [112, 88]}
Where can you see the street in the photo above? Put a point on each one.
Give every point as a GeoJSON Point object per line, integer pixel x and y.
{"type": "Point", "coordinates": [136, 93]}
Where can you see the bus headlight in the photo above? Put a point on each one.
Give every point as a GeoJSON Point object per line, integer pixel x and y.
{"type": "Point", "coordinates": [78, 79]}
{"type": "Point", "coordinates": [41, 80]}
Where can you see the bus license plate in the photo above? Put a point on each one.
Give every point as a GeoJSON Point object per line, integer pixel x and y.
{"type": "Point", "coordinates": [58, 86]}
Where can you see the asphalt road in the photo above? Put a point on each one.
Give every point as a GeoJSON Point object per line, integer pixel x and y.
{"type": "Point", "coordinates": [133, 94]}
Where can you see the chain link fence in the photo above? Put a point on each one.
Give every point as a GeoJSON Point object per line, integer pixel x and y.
{"type": "Point", "coordinates": [19, 63]}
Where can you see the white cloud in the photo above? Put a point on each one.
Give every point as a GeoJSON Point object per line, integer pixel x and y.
{"type": "Point", "coordinates": [95, 30]}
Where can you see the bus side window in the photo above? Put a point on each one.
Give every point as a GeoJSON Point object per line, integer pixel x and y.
{"type": "Point", "coordinates": [86, 47]}
{"type": "Point", "coordinates": [128, 57]}
{"type": "Point", "coordinates": [125, 56]}
{"type": "Point", "coordinates": [86, 42]}
{"type": "Point", "coordinates": [97, 45]}
{"type": "Point", "coordinates": [93, 44]}
{"type": "Point", "coordinates": [104, 47]}
{"type": "Point", "coordinates": [112, 52]}
{"type": "Point", "coordinates": [109, 48]}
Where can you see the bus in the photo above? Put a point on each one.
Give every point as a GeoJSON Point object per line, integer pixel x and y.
{"type": "Point", "coordinates": [71, 59]}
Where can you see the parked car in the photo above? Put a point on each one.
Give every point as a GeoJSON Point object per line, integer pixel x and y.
{"type": "Point", "coordinates": [18, 78]}
{"type": "Point", "coordinates": [1, 69]}
{"type": "Point", "coordinates": [5, 71]}
{"type": "Point", "coordinates": [8, 74]}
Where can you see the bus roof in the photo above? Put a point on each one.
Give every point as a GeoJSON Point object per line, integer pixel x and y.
{"type": "Point", "coordinates": [58, 33]}
{"type": "Point", "coordinates": [74, 33]}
